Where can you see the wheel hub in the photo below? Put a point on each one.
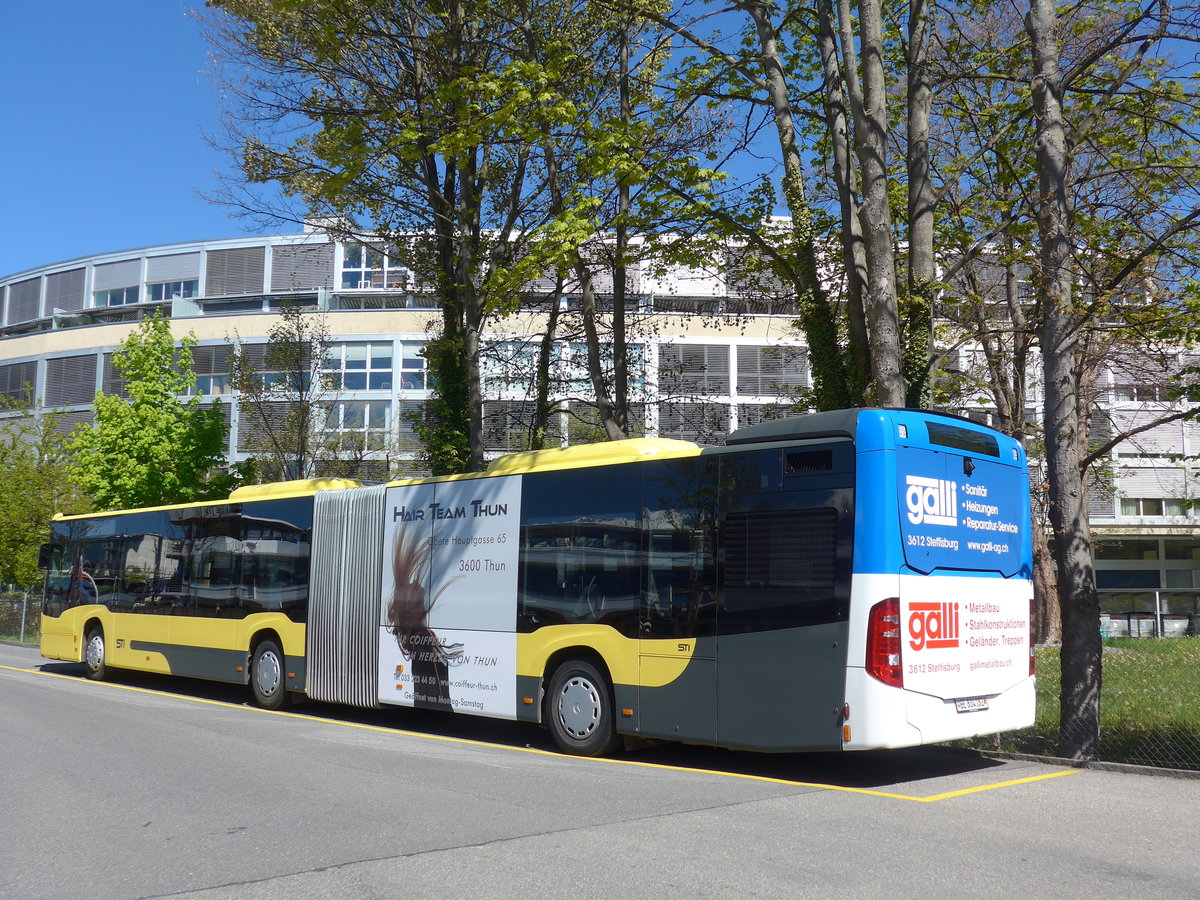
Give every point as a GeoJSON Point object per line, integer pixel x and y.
{"type": "Point", "coordinates": [95, 651]}
{"type": "Point", "coordinates": [266, 674]}
{"type": "Point", "coordinates": [579, 707]}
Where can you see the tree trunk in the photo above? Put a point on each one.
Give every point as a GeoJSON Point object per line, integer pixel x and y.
{"type": "Point", "coordinates": [816, 316]}
{"type": "Point", "coordinates": [1047, 615]}
{"type": "Point", "coordinates": [594, 360]}
{"type": "Point", "coordinates": [918, 322]}
{"type": "Point", "coordinates": [620, 345]}
{"type": "Point", "coordinates": [870, 139]}
{"type": "Point", "coordinates": [543, 408]}
{"type": "Point", "coordinates": [854, 255]}
{"type": "Point", "coordinates": [1079, 731]}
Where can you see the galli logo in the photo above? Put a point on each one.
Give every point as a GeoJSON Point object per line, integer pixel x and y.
{"type": "Point", "coordinates": [932, 626]}
{"type": "Point", "coordinates": [931, 501]}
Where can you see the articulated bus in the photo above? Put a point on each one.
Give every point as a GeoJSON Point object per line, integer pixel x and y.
{"type": "Point", "coordinates": [845, 580]}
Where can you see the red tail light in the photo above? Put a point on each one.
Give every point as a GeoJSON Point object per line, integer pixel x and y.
{"type": "Point", "coordinates": [1032, 638]}
{"type": "Point", "coordinates": [883, 643]}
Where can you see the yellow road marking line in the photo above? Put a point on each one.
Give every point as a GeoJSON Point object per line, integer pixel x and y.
{"type": "Point", "coordinates": [935, 798]}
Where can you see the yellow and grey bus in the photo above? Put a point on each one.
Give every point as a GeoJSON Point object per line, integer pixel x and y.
{"type": "Point", "coordinates": [846, 580]}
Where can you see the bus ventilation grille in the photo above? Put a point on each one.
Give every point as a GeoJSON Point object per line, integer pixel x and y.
{"type": "Point", "coordinates": [806, 462]}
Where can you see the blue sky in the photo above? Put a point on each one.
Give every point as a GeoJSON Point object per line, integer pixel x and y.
{"type": "Point", "coordinates": [105, 109]}
{"type": "Point", "coordinates": [105, 106]}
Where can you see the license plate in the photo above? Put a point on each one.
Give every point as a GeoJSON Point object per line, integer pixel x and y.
{"type": "Point", "coordinates": [970, 704]}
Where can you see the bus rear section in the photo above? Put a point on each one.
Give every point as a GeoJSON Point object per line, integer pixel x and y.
{"type": "Point", "coordinates": [941, 645]}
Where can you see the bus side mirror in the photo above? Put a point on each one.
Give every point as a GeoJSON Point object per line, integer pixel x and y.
{"type": "Point", "coordinates": [46, 555]}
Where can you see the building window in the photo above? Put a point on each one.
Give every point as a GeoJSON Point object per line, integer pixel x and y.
{"type": "Point", "coordinates": [414, 368]}
{"type": "Point", "coordinates": [211, 365]}
{"type": "Point", "coordinates": [361, 424]}
{"type": "Point", "coordinates": [360, 366]}
{"type": "Point", "coordinates": [1153, 506]}
{"type": "Point", "coordinates": [366, 267]}
{"type": "Point", "coordinates": [692, 369]}
{"type": "Point", "coordinates": [578, 377]}
{"type": "Point", "coordinates": [173, 290]}
{"type": "Point", "coordinates": [117, 296]}
{"type": "Point", "coordinates": [510, 365]}
{"type": "Point", "coordinates": [1141, 393]}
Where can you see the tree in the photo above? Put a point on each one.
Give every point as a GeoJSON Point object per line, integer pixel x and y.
{"type": "Point", "coordinates": [1106, 240]}
{"type": "Point", "coordinates": [285, 396]}
{"type": "Point", "coordinates": [35, 484]}
{"type": "Point", "coordinates": [438, 129]}
{"type": "Point", "coordinates": [153, 448]}
{"type": "Point", "coordinates": [409, 124]}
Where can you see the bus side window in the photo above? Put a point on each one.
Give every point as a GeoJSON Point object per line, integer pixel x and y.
{"type": "Point", "coordinates": [95, 577]}
{"type": "Point", "coordinates": [581, 556]}
{"type": "Point", "coordinates": [680, 595]}
{"type": "Point", "coordinates": [138, 572]}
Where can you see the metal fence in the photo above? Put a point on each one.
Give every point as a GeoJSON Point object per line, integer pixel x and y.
{"type": "Point", "coordinates": [20, 614]}
{"type": "Point", "coordinates": [1149, 701]}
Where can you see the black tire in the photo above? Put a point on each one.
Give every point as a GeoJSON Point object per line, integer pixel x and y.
{"type": "Point", "coordinates": [580, 710]}
{"type": "Point", "coordinates": [268, 676]}
{"type": "Point", "coordinates": [93, 654]}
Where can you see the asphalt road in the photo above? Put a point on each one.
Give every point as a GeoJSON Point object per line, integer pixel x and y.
{"type": "Point", "coordinates": [151, 787]}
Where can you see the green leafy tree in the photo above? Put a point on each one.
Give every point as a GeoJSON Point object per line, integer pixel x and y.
{"type": "Point", "coordinates": [404, 123]}
{"type": "Point", "coordinates": [284, 395]}
{"type": "Point", "coordinates": [484, 143]}
{"type": "Point", "coordinates": [153, 448]}
{"type": "Point", "coordinates": [35, 484]}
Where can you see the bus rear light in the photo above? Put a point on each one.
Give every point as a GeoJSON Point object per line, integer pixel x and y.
{"type": "Point", "coordinates": [883, 642]}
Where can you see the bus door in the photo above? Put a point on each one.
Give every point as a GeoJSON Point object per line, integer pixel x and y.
{"type": "Point", "coordinates": [140, 629]}
{"type": "Point", "coordinates": [785, 580]}
{"type": "Point", "coordinates": [677, 616]}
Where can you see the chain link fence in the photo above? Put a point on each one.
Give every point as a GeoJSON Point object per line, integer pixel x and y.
{"type": "Point", "coordinates": [1149, 703]}
{"type": "Point", "coordinates": [20, 614]}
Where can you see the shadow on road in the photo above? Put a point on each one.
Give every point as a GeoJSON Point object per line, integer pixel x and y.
{"type": "Point", "coordinates": [861, 769]}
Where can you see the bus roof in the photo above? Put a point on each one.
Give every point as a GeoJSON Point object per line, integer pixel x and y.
{"type": "Point", "coordinates": [605, 453]}
{"type": "Point", "coordinates": [279, 490]}
{"type": "Point", "coordinates": [835, 423]}
{"type": "Point", "coordinates": [845, 423]}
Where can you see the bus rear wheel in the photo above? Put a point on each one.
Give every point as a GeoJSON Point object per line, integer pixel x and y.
{"type": "Point", "coordinates": [267, 675]}
{"type": "Point", "coordinates": [93, 654]}
{"type": "Point", "coordinates": [579, 710]}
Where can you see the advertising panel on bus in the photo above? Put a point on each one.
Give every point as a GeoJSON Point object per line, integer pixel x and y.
{"type": "Point", "coordinates": [448, 619]}
{"type": "Point", "coordinates": [963, 521]}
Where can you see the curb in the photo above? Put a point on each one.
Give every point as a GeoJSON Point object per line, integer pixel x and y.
{"type": "Point", "coordinates": [1098, 765]}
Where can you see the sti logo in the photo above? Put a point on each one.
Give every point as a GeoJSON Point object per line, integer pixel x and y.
{"type": "Point", "coordinates": [931, 501]}
{"type": "Point", "coordinates": [932, 625]}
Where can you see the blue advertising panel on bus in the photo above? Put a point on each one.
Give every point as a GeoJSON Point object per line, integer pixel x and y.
{"type": "Point", "coordinates": [961, 511]}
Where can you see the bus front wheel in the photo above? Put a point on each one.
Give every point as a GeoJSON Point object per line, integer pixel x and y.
{"type": "Point", "coordinates": [267, 675]}
{"type": "Point", "coordinates": [93, 654]}
{"type": "Point", "coordinates": [579, 710]}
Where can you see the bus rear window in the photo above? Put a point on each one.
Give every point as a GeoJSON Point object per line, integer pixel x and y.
{"type": "Point", "coordinates": [963, 439]}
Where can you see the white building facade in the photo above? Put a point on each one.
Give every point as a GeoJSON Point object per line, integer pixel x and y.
{"type": "Point", "coordinates": [709, 356]}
